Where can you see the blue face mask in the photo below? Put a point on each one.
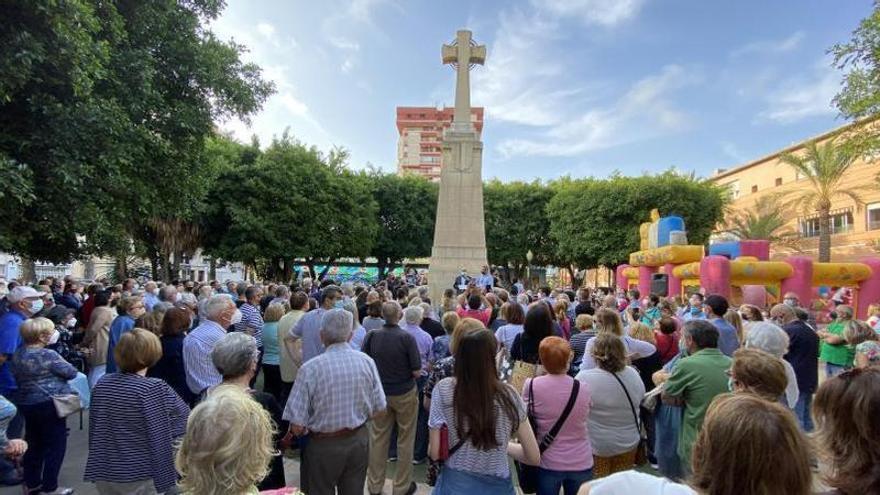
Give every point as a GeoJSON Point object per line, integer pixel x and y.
{"type": "Point", "coordinates": [338, 304]}
{"type": "Point", "coordinates": [695, 310]}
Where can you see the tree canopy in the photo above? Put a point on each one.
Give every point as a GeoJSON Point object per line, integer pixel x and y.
{"type": "Point", "coordinates": [596, 222]}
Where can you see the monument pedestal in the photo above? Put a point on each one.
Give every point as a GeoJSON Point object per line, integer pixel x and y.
{"type": "Point", "coordinates": [459, 232]}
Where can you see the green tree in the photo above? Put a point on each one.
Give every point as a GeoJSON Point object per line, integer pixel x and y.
{"type": "Point", "coordinates": [859, 97]}
{"type": "Point", "coordinates": [764, 221]}
{"type": "Point", "coordinates": [107, 105]}
{"type": "Point", "coordinates": [824, 167]}
{"type": "Point", "coordinates": [516, 223]}
{"type": "Point", "coordinates": [292, 202]}
{"type": "Point", "coordinates": [596, 222]}
{"type": "Point", "coordinates": [407, 209]}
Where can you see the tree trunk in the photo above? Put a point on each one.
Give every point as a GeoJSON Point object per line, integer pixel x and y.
{"type": "Point", "coordinates": [287, 271]}
{"type": "Point", "coordinates": [27, 271]}
{"type": "Point", "coordinates": [824, 234]}
{"type": "Point", "coordinates": [175, 266]}
{"type": "Point", "coordinates": [212, 269]}
{"type": "Point", "coordinates": [381, 266]}
{"type": "Point", "coordinates": [121, 268]}
{"type": "Point", "coordinates": [310, 263]}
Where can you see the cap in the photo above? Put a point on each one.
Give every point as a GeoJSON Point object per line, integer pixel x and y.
{"type": "Point", "coordinates": [23, 292]}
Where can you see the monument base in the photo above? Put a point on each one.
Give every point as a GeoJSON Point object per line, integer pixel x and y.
{"type": "Point", "coordinates": [446, 264]}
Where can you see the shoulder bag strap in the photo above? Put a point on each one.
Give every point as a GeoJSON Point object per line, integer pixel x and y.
{"type": "Point", "coordinates": [551, 435]}
{"type": "Point", "coordinates": [628, 399]}
{"type": "Point", "coordinates": [457, 446]}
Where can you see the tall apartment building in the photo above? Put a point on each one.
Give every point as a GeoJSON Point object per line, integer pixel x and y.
{"type": "Point", "coordinates": [419, 147]}
{"type": "Point", "coordinates": [855, 228]}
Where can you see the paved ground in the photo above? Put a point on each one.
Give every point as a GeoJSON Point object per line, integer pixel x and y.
{"type": "Point", "coordinates": [77, 451]}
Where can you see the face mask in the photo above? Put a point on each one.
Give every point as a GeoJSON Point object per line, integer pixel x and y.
{"type": "Point", "coordinates": [730, 384]}
{"type": "Point", "coordinates": [338, 304]}
{"type": "Point", "coordinates": [135, 287]}
{"type": "Point", "coordinates": [236, 317]}
{"type": "Point", "coordinates": [155, 291]}
{"type": "Point", "coordinates": [71, 323]}
{"type": "Point", "coordinates": [695, 310]}
{"type": "Point", "coordinates": [177, 297]}
{"type": "Point", "coordinates": [790, 302]}
{"type": "Point", "coordinates": [36, 306]}
{"type": "Point", "coordinates": [54, 338]}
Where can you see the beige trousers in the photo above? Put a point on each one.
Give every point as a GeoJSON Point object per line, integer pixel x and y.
{"type": "Point", "coordinates": [402, 410]}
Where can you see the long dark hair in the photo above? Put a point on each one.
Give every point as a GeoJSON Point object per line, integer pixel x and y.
{"type": "Point", "coordinates": [478, 389]}
{"type": "Point", "coordinates": [539, 322]}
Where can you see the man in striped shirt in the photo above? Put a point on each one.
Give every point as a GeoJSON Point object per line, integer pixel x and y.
{"type": "Point", "coordinates": [251, 319]}
{"type": "Point", "coordinates": [220, 313]}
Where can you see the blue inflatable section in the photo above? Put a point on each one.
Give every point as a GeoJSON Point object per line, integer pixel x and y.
{"type": "Point", "coordinates": [728, 249]}
{"type": "Point", "coordinates": [666, 225]}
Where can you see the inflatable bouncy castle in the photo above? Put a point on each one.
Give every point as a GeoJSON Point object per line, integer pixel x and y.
{"type": "Point", "coordinates": [666, 265]}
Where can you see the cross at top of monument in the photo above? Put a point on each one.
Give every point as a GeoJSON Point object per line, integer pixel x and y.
{"type": "Point", "coordinates": [462, 53]}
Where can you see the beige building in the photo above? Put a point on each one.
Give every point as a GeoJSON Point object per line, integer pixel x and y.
{"type": "Point", "coordinates": [419, 147]}
{"type": "Point", "coordinates": [855, 228]}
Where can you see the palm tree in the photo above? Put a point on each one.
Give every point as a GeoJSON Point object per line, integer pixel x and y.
{"type": "Point", "coordinates": [824, 167]}
{"type": "Point", "coordinates": [764, 221]}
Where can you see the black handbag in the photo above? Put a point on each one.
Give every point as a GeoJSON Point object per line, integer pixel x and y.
{"type": "Point", "coordinates": [526, 474]}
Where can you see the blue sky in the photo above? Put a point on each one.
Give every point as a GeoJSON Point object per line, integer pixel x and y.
{"type": "Point", "coordinates": [579, 87]}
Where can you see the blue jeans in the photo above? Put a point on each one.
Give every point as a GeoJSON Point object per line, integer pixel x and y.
{"type": "Point", "coordinates": [802, 411]}
{"type": "Point", "coordinates": [46, 435]}
{"type": "Point", "coordinates": [455, 482]}
{"type": "Point", "coordinates": [834, 369]}
{"type": "Point", "coordinates": [550, 481]}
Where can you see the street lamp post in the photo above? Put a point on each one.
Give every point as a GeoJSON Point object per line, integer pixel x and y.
{"type": "Point", "coordinates": [529, 257]}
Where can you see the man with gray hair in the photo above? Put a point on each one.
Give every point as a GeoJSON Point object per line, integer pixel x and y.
{"type": "Point", "coordinates": [334, 396]}
{"type": "Point", "coordinates": [220, 313]}
{"type": "Point", "coordinates": [308, 328]}
{"type": "Point", "coordinates": [397, 358]}
{"type": "Point", "coordinates": [412, 317]}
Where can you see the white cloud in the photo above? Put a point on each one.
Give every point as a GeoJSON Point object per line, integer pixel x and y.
{"type": "Point", "coordinates": [803, 97]}
{"type": "Point", "coordinates": [643, 112]}
{"type": "Point", "coordinates": [283, 109]}
{"type": "Point", "coordinates": [602, 12]}
{"type": "Point", "coordinates": [521, 82]}
{"type": "Point", "coordinates": [266, 29]}
{"type": "Point", "coordinates": [770, 46]}
{"type": "Point", "coordinates": [733, 152]}
{"type": "Point", "coordinates": [352, 18]}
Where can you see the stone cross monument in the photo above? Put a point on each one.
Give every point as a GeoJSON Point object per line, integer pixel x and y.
{"type": "Point", "coordinates": [459, 232]}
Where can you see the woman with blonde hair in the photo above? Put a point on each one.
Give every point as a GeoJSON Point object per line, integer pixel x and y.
{"type": "Point", "coordinates": [40, 374]}
{"type": "Point", "coordinates": [444, 368]}
{"type": "Point", "coordinates": [616, 391]}
{"type": "Point", "coordinates": [772, 455]}
{"type": "Point", "coordinates": [608, 321]}
{"type": "Point", "coordinates": [227, 446]}
{"type": "Point", "coordinates": [733, 317]}
{"type": "Point", "coordinates": [845, 410]}
{"type": "Point", "coordinates": [864, 340]}
{"type": "Point", "coordinates": [271, 350]}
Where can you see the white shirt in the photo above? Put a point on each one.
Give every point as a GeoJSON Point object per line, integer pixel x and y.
{"type": "Point", "coordinates": [629, 482]}
{"type": "Point", "coordinates": [635, 349]}
{"type": "Point", "coordinates": [611, 423]}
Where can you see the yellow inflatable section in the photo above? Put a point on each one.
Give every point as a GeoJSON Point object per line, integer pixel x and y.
{"type": "Point", "coordinates": [750, 272]}
{"type": "Point", "coordinates": [674, 254]}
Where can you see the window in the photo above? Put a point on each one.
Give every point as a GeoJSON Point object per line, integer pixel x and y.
{"type": "Point", "coordinates": [874, 216]}
{"type": "Point", "coordinates": [779, 181]}
{"type": "Point", "coordinates": [733, 189]}
{"type": "Point", "coordinates": [841, 221]}
{"type": "Point", "coordinates": [798, 175]}
{"type": "Point", "coordinates": [754, 189]}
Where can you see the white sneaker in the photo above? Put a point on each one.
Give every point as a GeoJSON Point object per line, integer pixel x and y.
{"type": "Point", "coordinates": [60, 491]}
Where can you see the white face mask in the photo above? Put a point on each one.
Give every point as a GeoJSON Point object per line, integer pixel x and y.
{"type": "Point", "coordinates": [71, 323]}
{"type": "Point", "coordinates": [236, 317]}
{"type": "Point", "coordinates": [54, 338]}
{"type": "Point", "coordinates": [177, 297]}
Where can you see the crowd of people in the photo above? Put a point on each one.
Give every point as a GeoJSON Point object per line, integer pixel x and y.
{"type": "Point", "coordinates": [576, 388]}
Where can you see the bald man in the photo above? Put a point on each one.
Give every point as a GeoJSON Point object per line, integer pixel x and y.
{"type": "Point", "coordinates": [803, 355]}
